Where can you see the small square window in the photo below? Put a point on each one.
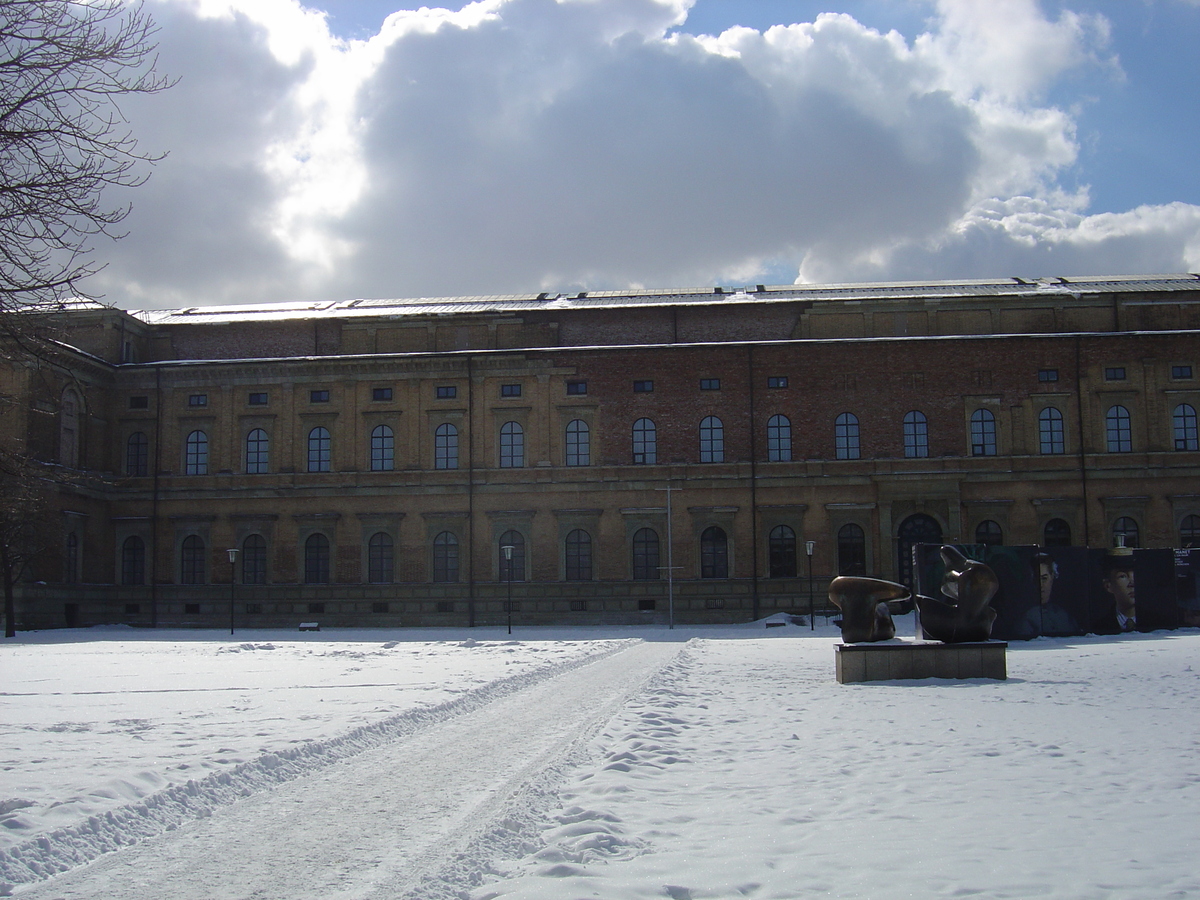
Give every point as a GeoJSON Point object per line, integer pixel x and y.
{"type": "Point", "coordinates": [198, 400]}
{"type": "Point", "coordinates": [1181, 373]}
{"type": "Point", "coordinates": [140, 402]}
{"type": "Point", "coordinates": [191, 609]}
{"type": "Point", "coordinates": [643, 387]}
{"type": "Point", "coordinates": [576, 387]}
{"type": "Point", "coordinates": [378, 607]}
{"type": "Point", "coordinates": [1114, 373]}
{"type": "Point", "coordinates": [510, 390]}
{"type": "Point", "coordinates": [258, 398]}
{"type": "Point", "coordinates": [445, 606]}
{"type": "Point", "coordinates": [1047, 374]}
{"type": "Point", "coordinates": [381, 393]}
{"type": "Point", "coordinates": [710, 384]}
{"type": "Point", "coordinates": [645, 605]}
{"type": "Point", "coordinates": [316, 608]}
{"type": "Point", "coordinates": [446, 391]}
{"type": "Point", "coordinates": [777, 381]}
{"type": "Point", "coordinates": [318, 396]}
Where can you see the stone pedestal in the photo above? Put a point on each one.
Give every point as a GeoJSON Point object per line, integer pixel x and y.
{"type": "Point", "coordinates": [920, 659]}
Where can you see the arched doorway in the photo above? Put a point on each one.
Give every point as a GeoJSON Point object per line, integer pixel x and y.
{"type": "Point", "coordinates": [916, 529]}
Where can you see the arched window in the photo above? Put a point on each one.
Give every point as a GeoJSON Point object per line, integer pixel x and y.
{"type": "Point", "coordinates": [916, 435]}
{"type": "Point", "coordinates": [714, 553]}
{"type": "Point", "coordinates": [191, 560]}
{"type": "Point", "coordinates": [645, 443]}
{"type": "Point", "coordinates": [68, 429]}
{"type": "Point", "coordinates": [254, 559]}
{"type": "Point", "coordinates": [1051, 436]}
{"type": "Point", "coordinates": [512, 446]}
{"type": "Point", "coordinates": [579, 556]}
{"type": "Point", "coordinates": [781, 547]}
{"type": "Point", "coordinates": [1117, 430]}
{"type": "Point", "coordinates": [445, 558]}
{"type": "Point", "coordinates": [852, 550]}
{"type": "Point", "coordinates": [1125, 528]}
{"type": "Point", "coordinates": [514, 569]}
{"type": "Point", "coordinates": [579, 443]}
{"type": "Point", "coordinates": [845, 436]}
{"type": "Point", "coordinates": [645, 555]}
{"type": "Point", "coordinates": [196, 454]}
{"type": "Point", "coordinates": [1057, 533]}
{"type": "Point", "coordinates": [383, 449]}
{"type": "Point", "coordinates": [133, 561]}
{"type": "Point", "coordinates": [258, 452]}
{"type": "Point", "coordinates": [1183, 421]}
{"type": "Point", "coordinates": [316, 559]}
{"type": "Point", "coordinates": [712, 440]}
{"type": "Point", "coordinates": [319, 450]}
{"type": "Point", "coordinates": [983, 433]}
{"type": "Point", "coordinates": [916, 529]}
{"type": "Point", "coordinates": [1189, 532]}
{"type": "Point", "coordinates": [380, 568]}
{"type": "Point", "coordinates": [445, 447]}
{"type": "Point", "coordinates": [137, 455]}
{"type": "Point", "coordinates": [779, 439]}
{"type": "Point", "coordinates": [989, 533]}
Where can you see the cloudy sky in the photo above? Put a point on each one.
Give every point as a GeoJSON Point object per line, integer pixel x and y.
{"type": "Point", "coordinates": [358, 148]}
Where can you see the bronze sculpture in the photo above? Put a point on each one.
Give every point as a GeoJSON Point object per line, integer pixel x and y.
{"type": "Point", "coordinates": [867, 606]}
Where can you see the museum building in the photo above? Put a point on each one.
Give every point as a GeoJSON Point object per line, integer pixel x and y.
{"type": "Point", "coordinates": [617, 457]}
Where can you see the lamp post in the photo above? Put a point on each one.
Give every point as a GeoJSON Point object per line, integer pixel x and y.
{"type": "Point", "coordinates": [809, 547]}
{"type": "Point", "coordinates": [507, 550]}
{"type": "Point", "coordinates": [232, 583]}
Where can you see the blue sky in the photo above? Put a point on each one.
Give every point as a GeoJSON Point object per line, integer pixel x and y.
{"type": "Point", "coordinates": [351, 148]}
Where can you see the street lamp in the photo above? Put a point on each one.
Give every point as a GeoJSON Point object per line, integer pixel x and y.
{"type": "Point", "coordinates": [232, 583]}
{"type": "Point", "coordinates": [809, 547]}
{"type": "Point", "coordinates": [507, 550]}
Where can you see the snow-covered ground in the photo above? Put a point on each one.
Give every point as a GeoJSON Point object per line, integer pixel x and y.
{"type": "Point", "coordinates": [612, 763]}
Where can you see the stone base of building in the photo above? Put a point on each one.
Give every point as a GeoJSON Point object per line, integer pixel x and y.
{"type": "Point", "coordinates": [920, 659]}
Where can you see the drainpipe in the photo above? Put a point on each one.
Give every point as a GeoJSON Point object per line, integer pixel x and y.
{"type": "Point", "coordinates": [470, 445]}
{"type": "Point", "coordinates": [1087, 533]}
{"type": "Point", "coordinates": [753, 490]}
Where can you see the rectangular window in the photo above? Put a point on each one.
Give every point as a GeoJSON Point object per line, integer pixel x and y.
{"type": "Point", "coordinates": [381, 394]}
{"type": "Point", "coordinates": [143, 402]}
{"type": "Point", "coordinates": [253, 609]}
{"type": "Point", "coordinates": [710, 384]}
{"type": "Point", "coordinates": [576, 387]}
{"type": "Point", "coordinates": [1181, 373]}
{"type": "Point", "coordinates": [316, 608]}
{"type": "Point", "coordinates": [645, 605]}
{"type": "Point", "coordinates": [191, 609]}
{"type": "Point", "coordinates": [258, 398]}
{"type": "Point", "coordinates": [510, 390]}
{"type": "Point", "coordinates": [318, 396]}
{"type": "Point", "coordinates": [132, 609]}
{"type": "Point", "coordinates": [1114, 373]}
{"type": "Point", "coordinates": [643, 387]}
{"type": "Point", "coordinates": [379, 607]}
{"type": "Point", "coordinates": [578, 606]}
{"type": "Point", "coordinates": [777, 381]}
{"type": "Point", "coordinates": [446, 392]}
{"type": "Point", "coordinates": [1047, 375]}
{"type": "Point", "coordinates": [198, 400]}
{"type": "Point", "coordinates": [445, 606]}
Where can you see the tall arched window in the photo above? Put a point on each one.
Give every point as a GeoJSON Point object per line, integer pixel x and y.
{"type": "Point", "coordinates": [779, 439]}
{"type": "Point", "coordinates": [380, 557]}
{"type": "Point", "coordinates": [512, 446]}
{"type": "Point", "coordinates": [916, 529]}
{"type": "Point", "coordinates": [445, 447]}
{"type": "Point", "coordinates": [916, 435]}
{"type": "Point", "coordinates": [852, 550]}
{"type": "Point", "coordinates": [781, 552]}
{"type": "Point", "coordinates": [845, 436]}
{"type": "Point", "coordinates": [579, 443]}
{"type": "Point", "coordinates": [645, 555]}
{"type": "Point", "coordinates": [191, 560]}
{"type": "Point", "coordinates": [1126, 528]}
{"type": "Point", "coordinates": [254, 559]}
{"type": "Point", "coordinates": [1183, 421]}
{"type": "Point", "coordinates": [989, 533]}
{"type": "Point", "coordinates": [68, 428]}
{"type": "Point", "coordinates": [578, 560]}
{"type": "Point", "coordinates": [1189, 532]}
{"type": "Point", "coordinates": [316, 559]}
{"type": "Point", "coordinates": [258, 452]}
{"type": "Point", "coordinates": [1117, 430]}
{"type": "Point", "coordinates": [1051, 436]}
{"type": "Point", "coordinates": [983, 433]}
{"type": "Point", "coordinates": [137, 455]}
{"type": "Point", "coordinates": [1057, 533]}
{"type": "Point", "coordinates": [196, 454]}
{"type": "Point", "coordinates": [514, 569]}
{"type": "Point", "coordinates": [383, 449]}
{"type": "Point", "coordinates": [319, 450]}
{"type": "Point", "coordinates": [645, 443]}
{"type": "Point", "coordinates": [133, 561]}
{"type": "Point", "coordinates": [712, 440]}
{"type": "Point", "coordinates": [445, 558]}
{"type": "Point", "coordinates": [714, 553]}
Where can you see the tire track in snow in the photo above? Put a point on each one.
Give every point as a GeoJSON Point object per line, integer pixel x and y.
{"type": "Point", "coordinates": [386, 820]}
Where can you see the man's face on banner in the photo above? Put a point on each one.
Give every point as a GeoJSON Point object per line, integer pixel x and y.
{"type": "Point", "coordinates": [1046, 581]}
{"type": "Point", "coordinates": [1120, 584]}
